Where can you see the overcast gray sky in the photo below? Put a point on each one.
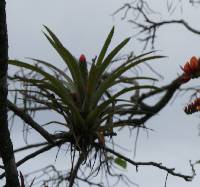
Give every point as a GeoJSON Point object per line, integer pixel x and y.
{"type": "Point", "coordinates": [82, 26]}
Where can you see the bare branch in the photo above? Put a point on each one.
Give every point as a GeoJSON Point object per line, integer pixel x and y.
{"type": "Point", "coordinates": [30, 147]}
{"type": "Point", "coordinates": [148, 27]}
{"type": "Point", "coordinates": [36, 153]}
{"type": "Point", "coordinates": [75, 170]}
{"type": "Point", "coordinates": [158, 165]}
{"type": "Point", "coordinates": [28, 119]}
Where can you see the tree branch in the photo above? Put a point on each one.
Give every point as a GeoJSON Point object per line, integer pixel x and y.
{"type": "Point", "coordinates": [30, 147]}
{"type": "Point", "coordinates": [75, 170]}
{"type": "Point", "coordinates": [36, 153]}
{"type": "Point", "coordinates": [147, 26]}
{"type": "Point", "coordinates": [158, 165]}
{"type": "Point", "coordinates": [151, 110]}
{"type": "Point", "coordinates": [28, 119]}
{"type": "Point", "coordinates": [6, 147]}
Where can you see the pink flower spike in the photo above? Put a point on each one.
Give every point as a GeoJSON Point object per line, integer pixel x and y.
{"type": "Point", "coordinates": [82, 58]}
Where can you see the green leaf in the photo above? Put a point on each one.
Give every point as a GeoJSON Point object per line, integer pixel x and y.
{"type": "Point", "coordinates": [134, 58]}
{"type": "Point", "coordinates": [120, 162]}
{"type": "Point", "coordinates": [93, 79]}
{"type": "Point", "coordinates": [111, 80]}
{"type": "Point", "coordinates": [99, 109]}
{"type": "Point", "coordinates": [97, 71]}
{"type": "Point", "coordinates": [68, 58]}
{"type": "Point", "coordinates": [197, 162]}
{"type": "Point", "coordinates": [69, 83]}
{"type": "Point", "coordinates": [132, 80]}
{"type": "Point", "coordinates": [111, 55]}
{"type": "Point", "coordinates": [56, 86]}
{"type": "Point", "coordinates": [129, 79]}
{"type": "Point", "coordinates": [105, 47]}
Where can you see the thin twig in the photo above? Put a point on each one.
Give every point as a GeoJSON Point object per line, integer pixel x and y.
{"type": "Point", "coordinates": [158, 165]}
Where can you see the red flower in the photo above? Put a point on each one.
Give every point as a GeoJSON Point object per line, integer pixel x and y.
{"type": "Point", "coordinates": [191, 67]}
{"type": "Point", "coordinates": [193, 107]}
{"type": "Point", "coordinates": [82, 58]}
{"type": "Point", "coordinates": [194, 64]}
{"type": "Point", "coordinates": [83, 68]}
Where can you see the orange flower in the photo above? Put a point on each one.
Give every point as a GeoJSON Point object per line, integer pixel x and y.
{"type": "Point", "coordinates": [194, 64]}
{"type": "Point", "coordinates": [191, 67]}
{"type": "Point", "coordinates": [191, 70]}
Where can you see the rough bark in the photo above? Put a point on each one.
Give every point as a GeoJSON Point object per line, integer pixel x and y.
{"type": "Point", "coordinates": [6, 147]}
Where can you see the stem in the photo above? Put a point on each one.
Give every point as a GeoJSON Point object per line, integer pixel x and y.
{"type": "Point", "coordinates": [6, 147]}
{"type": "Point", "coordinates": [75, 171]}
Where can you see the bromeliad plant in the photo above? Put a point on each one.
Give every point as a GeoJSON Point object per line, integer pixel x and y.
{"type": "Point", "coordinates": [83, 97]}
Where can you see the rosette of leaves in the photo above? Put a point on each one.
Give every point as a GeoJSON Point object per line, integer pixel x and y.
{"type": "Point", "coordinates": [83, 100]}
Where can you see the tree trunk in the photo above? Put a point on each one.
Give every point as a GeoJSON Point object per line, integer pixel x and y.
{"type": "Point", "coordinates": [6, 147]}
